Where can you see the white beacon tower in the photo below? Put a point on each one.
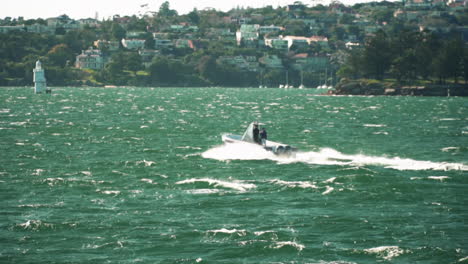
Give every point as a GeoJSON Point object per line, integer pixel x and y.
{"type": "Point", "coordinates": [39, 79]}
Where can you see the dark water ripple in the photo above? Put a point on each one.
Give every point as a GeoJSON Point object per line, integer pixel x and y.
{"type": "Point", "coordinates": [138, 175]}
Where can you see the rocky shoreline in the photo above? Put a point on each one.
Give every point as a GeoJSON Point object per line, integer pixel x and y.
{"type": "Point", "coordinates": [362, 87]}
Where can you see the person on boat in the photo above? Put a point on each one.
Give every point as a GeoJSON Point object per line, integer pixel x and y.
{"type": "Point", "coordinates": [263, 136]}
{"type": "Point", "coordinates": [256, 132]}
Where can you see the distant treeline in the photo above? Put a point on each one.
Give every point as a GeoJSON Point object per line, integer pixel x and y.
{"type": "Point", "coordinates": [409, 56]}
{"type": "Point", "coordinates": [399, 52]}
{"type": "Point", "coordinates": [20, 50]}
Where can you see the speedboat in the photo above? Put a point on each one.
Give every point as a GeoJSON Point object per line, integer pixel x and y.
{"type": "Point", "coordinates": [275, 147]}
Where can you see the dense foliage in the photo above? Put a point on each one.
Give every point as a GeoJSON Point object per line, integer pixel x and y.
{"type": "Point", "coordinates": [409, 56]}
{"type": "Point", "coordinates": [399, 50]}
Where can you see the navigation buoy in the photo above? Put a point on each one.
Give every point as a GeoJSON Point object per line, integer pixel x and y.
{"type": "Point", "coordinates": [39, 79]}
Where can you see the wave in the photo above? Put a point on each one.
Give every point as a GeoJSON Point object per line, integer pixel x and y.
{"type": "Point", "coordinates": [235, 185]}
{"type": "Point", "coordinates": [281, 244]}
{"type": "Point", "coordinates": [325, 156]}
{"type": "Point", "coordinates": [386, 252]}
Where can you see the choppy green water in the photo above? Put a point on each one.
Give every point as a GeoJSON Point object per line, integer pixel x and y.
{"type": "Point", "coordinates": [139, 175]}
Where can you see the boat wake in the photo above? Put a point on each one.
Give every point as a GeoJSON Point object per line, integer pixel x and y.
{"type": "Point", "coordinates": [325, 156]}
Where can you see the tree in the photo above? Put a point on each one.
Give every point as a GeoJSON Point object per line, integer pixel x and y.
{"type": "Point", "coordinates": [160, 72]}
{"type": "Point", "coordinates": [60, 55]}
{"type": "Point", "coordinates": [117, 31]}
{"type": "Point", "coordinates": [377, 56]}
{"type": "Point", "coordinates": [208, 69]}
{"type": "Point", "coordinates": [165, 11]}
{"type": "Point", "coordinates": [194, 17]}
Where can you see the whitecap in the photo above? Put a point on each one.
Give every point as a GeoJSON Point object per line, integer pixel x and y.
{"type": "Point", "coordinates": [439, 178]}
{"type": "Point", "coordinates": [293, 244]}
{"type": "Point", "coordinates": [109, 192]}
{"type": "Point", "coordinates": [18, 123]}
{"type": "Point", "coordinates": [328, 190]}
{"type": "Point", "coordinates": [295, 184]}
{"type": "Point", "coordinates": [447, 149]}
{"type": "Point", "coordinates": [203, 191]}
{"type": "Point", "coordinates": [236, 185]}
{"type": "Point", "coordinates": [87, 173]}
{"type": "Point", "coordinates": [148, 163]}
{"type": "Point", "coordinates": [380, 133]}
{"type": "Point", "coordinates": [119, 172]}
{"type": "Point", "coordinates": [240, 232]}
{"type": "Point", "coordinates": [34, 224]}
{"type": "Point", "coordinates": [54, 181]}
{"type": "Point", "coordinates": [386, 252]}
{"type": "Point", "coordinates": [375, 125]}
{"type": "Point", "coordinates": [332, 179]}
{"type": "Point", "coordinates": [37, 172]}
{"type": "Point", "coordinates": [148, 181]}
{"type": "Point", "coordinates": [259, 233]}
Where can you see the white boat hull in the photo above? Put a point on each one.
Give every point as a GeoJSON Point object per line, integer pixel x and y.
{"type": "Point", "coordinates": [275, 147]}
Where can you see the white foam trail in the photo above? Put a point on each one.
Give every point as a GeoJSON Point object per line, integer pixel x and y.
{"type": "Point", "coordinates": [238, 151]}
{"type": "Point", "coordinates": [325, 156]}
{"type": "Point", "coordinates": [236, 185]}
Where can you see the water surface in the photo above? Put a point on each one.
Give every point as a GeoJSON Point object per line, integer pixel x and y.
{"type": "Point", "coordinates": [139, 175]}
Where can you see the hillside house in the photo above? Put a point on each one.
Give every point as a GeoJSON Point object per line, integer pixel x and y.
{"type": "Point", "coordinates": [133, 44]}
{"type": "Point", "coordinates": [271, 62]}
{"type": "Point", "coordinates": [90, 59]}
{"type": "Point", "coordinates": [108, 45]}
{"type": "Point", "coordinates": [305, 62]}
{"type": "Point", "coordinates": [243, 63]}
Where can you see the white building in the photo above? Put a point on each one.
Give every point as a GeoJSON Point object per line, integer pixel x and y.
{"type": "Point", "coordinates": [133, 44]}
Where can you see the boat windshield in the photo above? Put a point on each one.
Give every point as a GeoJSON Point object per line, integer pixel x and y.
{"type": "Point", "coordinates": [248, 134]}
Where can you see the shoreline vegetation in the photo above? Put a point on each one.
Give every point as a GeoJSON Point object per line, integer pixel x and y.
{"type": "Point", "coordinates": [376, 48]}
{"type": "Point", "coordinates": [375, 87]}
